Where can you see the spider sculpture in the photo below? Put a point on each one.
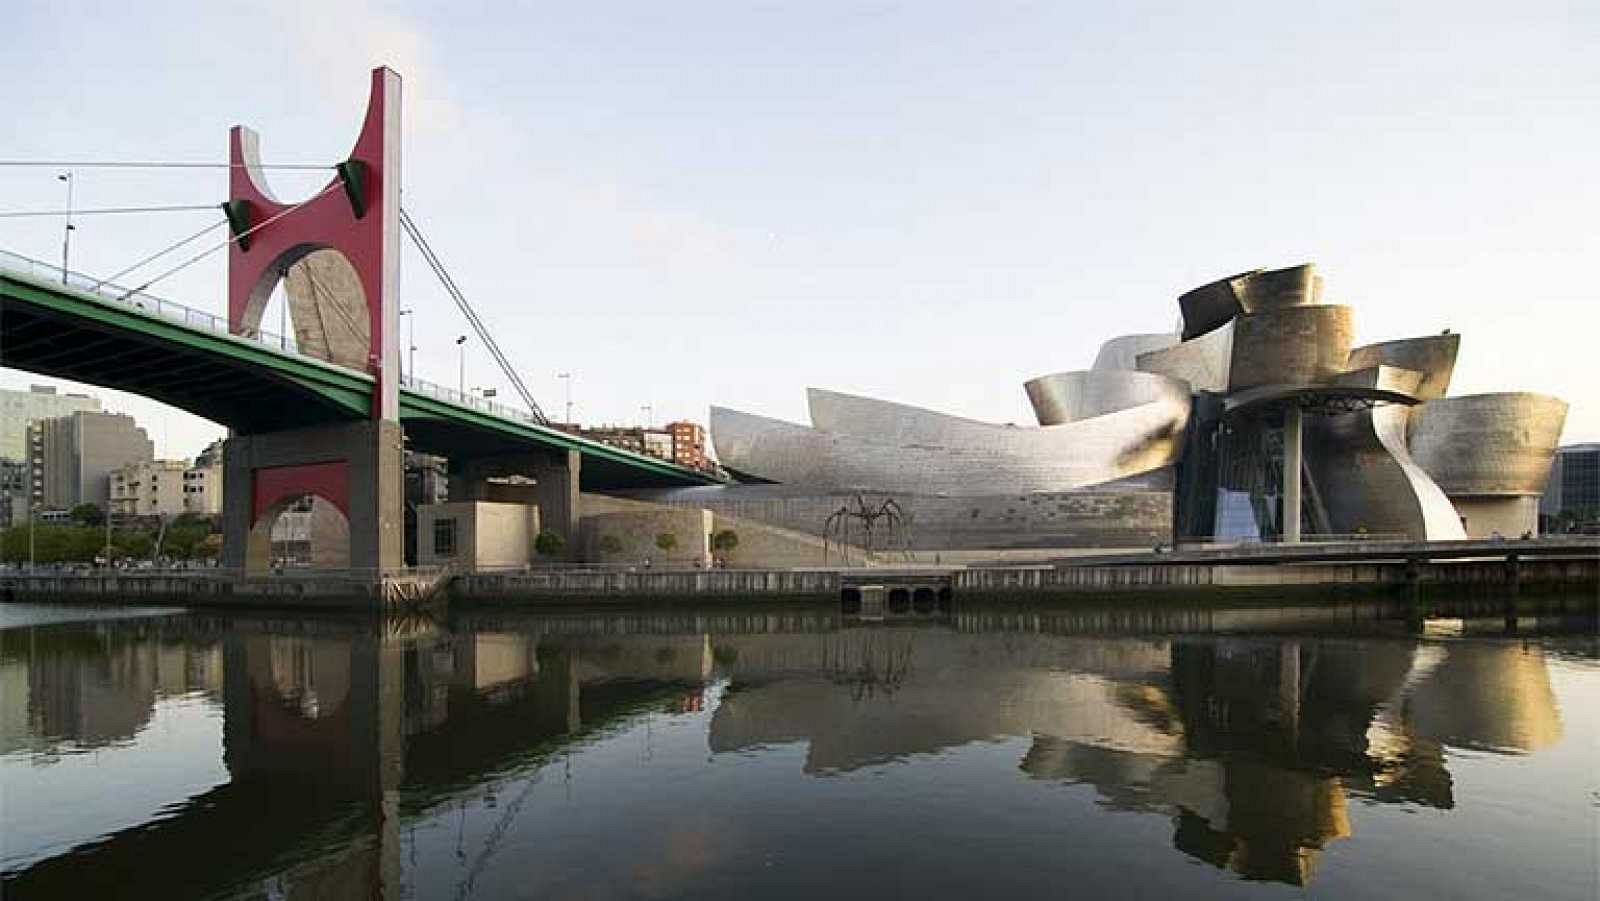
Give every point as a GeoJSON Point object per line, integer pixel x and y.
{"type": "Point", "coordinates": [858, 510]}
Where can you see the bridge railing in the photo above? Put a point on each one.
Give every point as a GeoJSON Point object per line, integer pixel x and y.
{"type": "Point", "coordinates": [140, 300]}
{"type": "Point", "coordinates": [475, 401]}
{"type": "Point", "coordinates": [200, 319]}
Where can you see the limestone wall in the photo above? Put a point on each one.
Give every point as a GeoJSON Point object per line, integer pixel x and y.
{"type": "Point", "coordinates": [762, 545]}
{"type": "Point", "coordinates": [1066, 519]}
{"type": "Point", "coordinates": [1510, 516]}
{"type": "Point", "coordinates": [630, 536]}
{"type": "Point", "coordinates": [488, 534]}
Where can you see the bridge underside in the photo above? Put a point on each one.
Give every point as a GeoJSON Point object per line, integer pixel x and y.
{"type": "Point", "coordinates": [223, 388]}
{"type": "Point", "coordinates": [250, 388]}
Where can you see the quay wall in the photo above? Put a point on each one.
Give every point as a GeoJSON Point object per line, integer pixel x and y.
{"type": "Point", "coordinates": [571, 585]}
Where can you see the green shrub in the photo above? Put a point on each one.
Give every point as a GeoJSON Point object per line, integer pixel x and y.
{"type": "Point", "coordinates": [549, 544]}
{"type": "Point", "coordinates": [666, 541]}
{"type": "Point", "coordinates": [724, 540]}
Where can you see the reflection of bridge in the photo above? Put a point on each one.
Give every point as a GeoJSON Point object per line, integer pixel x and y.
{"type": "Point", "coordinates": [339, 733]}
{"type": "Point", "coordinates": [331, 739]}
{"type": "Point", "coordinates": [331, 422]}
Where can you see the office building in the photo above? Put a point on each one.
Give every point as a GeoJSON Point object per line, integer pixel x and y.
{"type": "Point", "coordinates": [72, 457]}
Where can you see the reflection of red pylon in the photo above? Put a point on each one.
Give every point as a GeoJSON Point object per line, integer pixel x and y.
{"type": "Point", "coordinates": [361, 221]}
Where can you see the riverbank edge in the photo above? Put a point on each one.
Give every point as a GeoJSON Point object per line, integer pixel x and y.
{"type": "Point", "coordinates": [1170, 582]}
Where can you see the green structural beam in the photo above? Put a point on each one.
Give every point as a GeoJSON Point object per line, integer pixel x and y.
{"type": "Point", "coordinates": [148, 347]}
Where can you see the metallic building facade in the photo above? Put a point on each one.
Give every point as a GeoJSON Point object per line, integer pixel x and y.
{"type": "Point", "coordinates": [1257, 419]}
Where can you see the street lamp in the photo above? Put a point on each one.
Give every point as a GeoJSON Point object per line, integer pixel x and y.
{"type": "Point", "coordinates": [567, 377]}
{"type": "Point", "coordinates": [66, 234]}
{"type": "Point", "coordinates": [412, 365]}
{"type": "Point", "coordinates": [461, 382]}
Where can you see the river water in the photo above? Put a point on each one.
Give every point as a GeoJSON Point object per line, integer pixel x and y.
{"type": "Point", "coordinates": [1349, 751]}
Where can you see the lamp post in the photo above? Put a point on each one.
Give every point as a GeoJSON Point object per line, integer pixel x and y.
{"type": "Point", "coordinates": [66, 234]}
{"type": "Point", "coordinates": [461, 380]}
{"type": "Point", "coordinates": [412, 367]}
{"type": "Point", "coordinates": [567, 377]}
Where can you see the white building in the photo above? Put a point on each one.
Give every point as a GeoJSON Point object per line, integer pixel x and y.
{"type": "Point", "coordinates": [202, 490]}
{"type": "Point", "coordinates": [155, 488]}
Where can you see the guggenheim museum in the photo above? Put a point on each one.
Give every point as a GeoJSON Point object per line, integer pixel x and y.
{"type": "Point", "coordinates": [1255, 420]}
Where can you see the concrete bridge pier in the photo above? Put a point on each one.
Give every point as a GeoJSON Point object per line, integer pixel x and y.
{"type": "Point", "coordinates": [554, 490]}
{"type": "Point", "coordinates": [357, 467]}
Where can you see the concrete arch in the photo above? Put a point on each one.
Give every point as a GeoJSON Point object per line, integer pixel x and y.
{"type": "Point", "coordinates": [327, 304]}
{"type": "Point", "coordinates": [308, 678]}
{"type": "Point", "coordinates": [327, 534]}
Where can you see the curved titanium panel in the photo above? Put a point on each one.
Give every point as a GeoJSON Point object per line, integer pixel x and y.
{"type": "Point", "coordinates": [1123, 352]}
{"type": "Point", "coordinates": [1488, 444]}
{"type": "Point", "coordinates": [887, 422]}
{"type": "Point", "coordinates": [1210, 306]}
{"type": "Point", "coordinates": [1070, 396]}
{"type": "Point", "coordinates": [1121, 434]}
{"type": "Point", "coordinates": [1277, 289]}
{"type": "Point", "coordinates": [893, 447]}
{"type": "Point", "coordinates": [1359, 467]}
{"type": "Point", "coordinates": [1202, 362]}
{"type": "Point", "coordinates": [1433, 355]}
{"type": "Point", "coordinates": [1293, 345]}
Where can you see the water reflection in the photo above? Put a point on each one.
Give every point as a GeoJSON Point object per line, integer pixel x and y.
{"type": "Point", "coordinates": [366, 758]}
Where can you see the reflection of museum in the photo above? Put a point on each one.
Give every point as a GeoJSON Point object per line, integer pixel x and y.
{"type": "Point", "coordinates": [1187, 435]}
{"type": "Point", "coordinates": [1251, 746]}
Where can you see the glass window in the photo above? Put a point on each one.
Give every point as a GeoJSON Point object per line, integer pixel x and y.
{"type": "Point", "coordinates": [444, 537]}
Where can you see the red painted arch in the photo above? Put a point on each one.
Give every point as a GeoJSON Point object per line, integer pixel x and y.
{"type": "Point", "coordinates": [271, 484]}
{"type": "Point", "coordinates": [328, 220]}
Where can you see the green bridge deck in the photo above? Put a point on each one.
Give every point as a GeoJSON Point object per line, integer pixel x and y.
{"type": "Point", "coordinates": [104, 335]}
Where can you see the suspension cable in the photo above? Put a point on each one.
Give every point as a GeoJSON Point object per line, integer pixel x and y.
{"type": "Point", "coordinates": [232, 238]}
{"type": "Point", "coordinates": [473, 319]}
{"type": "Point", "coordinates": [108, 211]}
{"type": "Point", "coordinates": [160, 164]}
{"type": "Point", "coordinates": [160, 253]}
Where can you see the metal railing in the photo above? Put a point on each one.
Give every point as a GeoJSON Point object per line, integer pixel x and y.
{"type": "Point", "coordinates": [474, 401]}
{"type": "Point", "coordinates": [283, 344]}
{"type": "Point", "coordinates": [210, 322]}
{"type": "Point", "coordinates": [142, 301]}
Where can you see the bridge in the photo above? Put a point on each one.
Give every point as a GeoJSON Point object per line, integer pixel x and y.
{"type": "Point", "coordinates": [329, 419]}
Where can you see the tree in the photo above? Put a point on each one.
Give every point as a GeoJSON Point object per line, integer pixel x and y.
{"type": "Point", "coordinates": [184, 538]}
{"type": "Point", "coordinates": [209, 548]}
{"type": "Point", "coordinates": [724, 541]}
{"type": "Point", "coordinates": [87, 515]}
{"type": "Point", "coordinates": [610, 544]}
{"type": "Point", "coordinates": [666, 541]}
{"type": "Point", "coordinates": [137, 545]}
{"type": "Point", "coordinates": [549, 544]}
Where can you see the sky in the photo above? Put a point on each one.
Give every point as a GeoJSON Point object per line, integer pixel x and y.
{"type": "Point", "coordinates": [696, 204]}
